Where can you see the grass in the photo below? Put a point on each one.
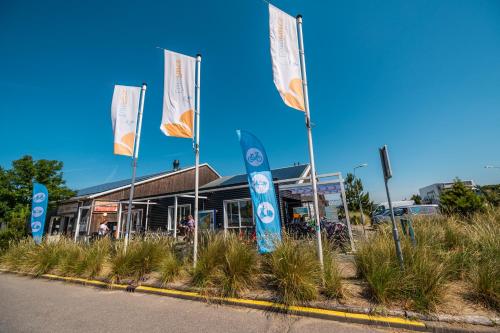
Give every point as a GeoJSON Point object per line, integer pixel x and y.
{"type": "Point", "coordinates": [141, 258]}
{"type": "Point", "coordinates": [169, 268]}
{"type": "Point", "coordinates": [294, 272]}
{"type": "Point", "coordinates": [16, 256]}
{"type": "Point", "coordinates": [332, 278]}
{"type": "Point", "coordinates": [225, 265]}
{"type": "Point", "coordinates": [447, 249]}
{"type": "Point", "coordinates": [376, 263]}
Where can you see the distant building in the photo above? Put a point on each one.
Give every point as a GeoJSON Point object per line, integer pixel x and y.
{"type": "Point", "coordinates": [430, 194]}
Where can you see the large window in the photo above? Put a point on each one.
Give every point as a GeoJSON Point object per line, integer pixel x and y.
{"type": "Point", "coordinates": [238, 214]}
{"type": "Point", "coordinates": [182, 212]}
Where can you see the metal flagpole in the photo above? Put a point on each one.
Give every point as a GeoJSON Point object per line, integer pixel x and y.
{"type": "Point", "coordinates": [119, 224]}
{"type": "Point", "coordinates": [346, 210]}
{"type": "Point", "coordinates": [134, 165]}
{"type": "Point", "coordinates": [309, 136]}
{"type": "Point", "coordinates": [175, 217]}
{"type": "Point", "coordinates": [197, 158]}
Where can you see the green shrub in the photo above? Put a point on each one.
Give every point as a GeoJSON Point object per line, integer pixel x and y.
{"type": "Point", "coordinates": [7, 237]}
{"type": "Point", "coordinates": [460, 200]}
{"type": "Point", "coordinates": [294, 271]}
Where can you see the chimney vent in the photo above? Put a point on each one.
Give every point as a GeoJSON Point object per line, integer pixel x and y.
{"type": "Point", "coordinates": [176, 165]}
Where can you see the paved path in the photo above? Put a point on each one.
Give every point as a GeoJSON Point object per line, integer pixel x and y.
{"type": "Point", "coordinates": [39, 305]}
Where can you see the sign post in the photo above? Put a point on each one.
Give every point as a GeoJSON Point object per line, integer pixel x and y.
{"type": "Point", "coordinates": [386, 167]}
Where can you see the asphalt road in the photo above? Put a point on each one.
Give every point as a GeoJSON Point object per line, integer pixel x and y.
{"type": "Point", "coordinates": [39, 305]}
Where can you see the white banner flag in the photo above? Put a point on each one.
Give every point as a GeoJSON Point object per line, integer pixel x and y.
{"type": "Point", "coordinates": [124, 109]}
{"type": "Point", "coordinates": [285, 57]}
{"type": "Point", "coordinates": [178, 95]}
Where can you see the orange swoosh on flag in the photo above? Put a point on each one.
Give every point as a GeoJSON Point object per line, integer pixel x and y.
{"type": "Point", "coordinates": [126, 146]}
{"type": "Point", "coordinates": [184, 129]}
{"type": "Point", "coordinates": [295, 99]}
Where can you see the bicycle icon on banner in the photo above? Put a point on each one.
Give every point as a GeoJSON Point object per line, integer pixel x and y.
{"type": "Point", "coordinates": [254, 157]}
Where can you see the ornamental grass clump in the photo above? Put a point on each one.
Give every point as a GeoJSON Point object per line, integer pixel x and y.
{"type": "Point", "coordinates": [169, 267]}
{"type": "Point", "coordinates": [376, 263]}
{"type": "Point", "coordinates": [484, 275]}
{"type": "Point", "coordinates": [293, 270]}
{"type": "Point", "coordinates": [16, 256]}
{"type": "Point", "coordinates": [226, 265]}
{"type": "Point", "coordinates": [238, 270]}
{"type": "Point", "coordinates": [70, 263]}
{"type": "Point", "coordinates": [141, 258]}
{"type": "Point", "coordinates": [332, 279]}
{"type": "Point", "coordinates": [95, 256]}
{"type": "Point", "coordinates": [45, 256]}
{"type": "Point", "coordinates": [423, 279]}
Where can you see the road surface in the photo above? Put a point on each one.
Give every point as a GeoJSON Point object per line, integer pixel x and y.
{"type": "Point", "coordinates": [40, 305]}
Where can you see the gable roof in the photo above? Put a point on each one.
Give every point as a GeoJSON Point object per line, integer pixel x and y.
{"type": "Point", "coordinates": [98, 190]}
{"type": "Point", "coordinates": [291, 172]}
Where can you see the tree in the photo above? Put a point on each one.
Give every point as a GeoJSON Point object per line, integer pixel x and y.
{"type": "Point", "coordinates": [491, 194]}
{"type": "Point", "coordinates": [417, 198]}
{"type": "Point", "coordinates": [354, 192]}
{"type": "Point", "coordinates": [16, 186]}
{"type": "Point", "coordinates": [460, 200]}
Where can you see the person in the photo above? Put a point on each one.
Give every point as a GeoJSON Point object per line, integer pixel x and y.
{"type": "Point", "coordinates": [103, 228]}
{"type": "Point", "coordinates": [190, 227]}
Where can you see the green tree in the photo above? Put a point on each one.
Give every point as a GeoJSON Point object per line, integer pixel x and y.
{"type": "Point", "coordinates": [354, 192]}
{"type": "Point", "coordinates": [417, 198]}
{"type": "Point", "coordinates": [491, 194]}
{"type": "Point", "coordinates": [16, 186]}
{"type": "Point", "coordinates": [461, 200]}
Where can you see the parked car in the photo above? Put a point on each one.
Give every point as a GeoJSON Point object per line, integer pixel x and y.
{"type": "Point", "coordinates": [413, 210]}
{"type": "Point", "coordinates": [384, 206]}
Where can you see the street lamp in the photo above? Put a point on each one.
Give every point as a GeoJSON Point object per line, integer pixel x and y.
{"type": "Point", "coordinates": [359, 197]}
{"type": "Point", "coordinates": [491, 167]}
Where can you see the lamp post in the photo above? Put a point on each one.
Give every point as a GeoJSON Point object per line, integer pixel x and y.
{"type": "Point", "coordinates": [491, 167]}
{"type": "Point", "coordinates": [359, 198]}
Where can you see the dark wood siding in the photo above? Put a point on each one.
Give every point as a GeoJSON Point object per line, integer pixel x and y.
{"type": "Point", "coordinates": [183, 181]}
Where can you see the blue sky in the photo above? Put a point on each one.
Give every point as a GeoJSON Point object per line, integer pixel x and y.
{"type": "Point", "coordinates": [422, 77]}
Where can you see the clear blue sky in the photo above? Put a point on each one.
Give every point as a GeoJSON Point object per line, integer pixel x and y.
{"type": "Point", "coordinates": [420, 76]}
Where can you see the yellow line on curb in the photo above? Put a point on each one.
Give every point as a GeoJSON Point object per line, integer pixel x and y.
{"type": "Point", "coordinates": [303, 309]}
{"type": "Point", "coordinates": [378, 319]}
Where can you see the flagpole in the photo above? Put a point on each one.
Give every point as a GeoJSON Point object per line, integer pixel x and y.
{"type": "Point", "coordinates": [197, 158]}
{"type": "Point", "coordinates": [309, 137]}
{"type": "Point", "coordinates": [134, 165]}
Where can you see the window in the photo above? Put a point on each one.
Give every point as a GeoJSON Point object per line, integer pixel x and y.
{"type": "Point", "coordinates": [182, 212]}
{"type": "Point", "coordinates": [238, 214]}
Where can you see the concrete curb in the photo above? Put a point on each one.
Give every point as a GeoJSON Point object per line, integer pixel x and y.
{"type": "Point", "coordinates": [337, 315]}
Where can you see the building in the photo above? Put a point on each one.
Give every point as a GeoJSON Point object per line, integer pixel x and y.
{"type": "Point", "coordinates": [163, 200]}
{"type": "Point", "coordinates": [92, 205]}
{"type": "Point", "coordinates": [430, 194]}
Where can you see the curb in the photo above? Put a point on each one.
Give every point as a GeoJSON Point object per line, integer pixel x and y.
{"type": "Point", "coordinates": [336, 315]}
